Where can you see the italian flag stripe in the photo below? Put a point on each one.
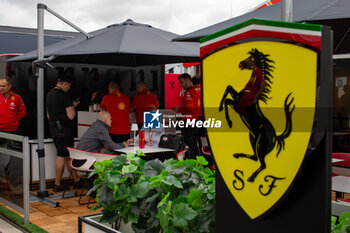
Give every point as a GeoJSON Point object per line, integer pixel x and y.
{"type": "Point", "coordinates": [309, 34]}
{"type": "Point", "coordinates": [314, 41]}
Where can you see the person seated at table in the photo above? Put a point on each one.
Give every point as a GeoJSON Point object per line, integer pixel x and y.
{"type": "Point", "coordinates": [97, 136]}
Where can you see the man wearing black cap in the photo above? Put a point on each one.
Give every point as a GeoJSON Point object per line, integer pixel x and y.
{"type": "Point", "coordinates": [61, 112]}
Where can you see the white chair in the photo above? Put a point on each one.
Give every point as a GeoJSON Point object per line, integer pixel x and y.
{"type": "Point", "coordinates": [102, 156]}
{"type": "Point", "coordinates": [206, 151]}
{"type": "Point", "coordinates": [204, 145]}
{"type": "Point", "coordinates": [181, 155]}
{"type": "Point", "coordinates": [77, 157]}
{"type": "Point", "coordinates": [76, 154]}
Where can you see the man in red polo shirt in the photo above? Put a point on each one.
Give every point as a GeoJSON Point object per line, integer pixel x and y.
{"type": "Point", "coordinates": [12, 108]}
{"type": "Point", "coordinates": [191, 108]}
{"type": "Point", "coordinates": [143, 101]}
{"type": "Point", "coordinates": [117, 104]}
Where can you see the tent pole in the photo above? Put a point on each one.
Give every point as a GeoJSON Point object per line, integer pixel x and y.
{"type": "Point", "coordinates": [287, 10]}
{"type": "Point", "coordinates": [88, 36]}
{"type": "Point", "coordinates": [40, 105]}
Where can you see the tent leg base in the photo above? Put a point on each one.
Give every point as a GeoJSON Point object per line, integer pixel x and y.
{"type": "Point", "coordinates": [49, 200]}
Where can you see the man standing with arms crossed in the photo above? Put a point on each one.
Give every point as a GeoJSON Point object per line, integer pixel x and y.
{"type": "Point", "coordinates": [61, 112]}
{"type": "Point", "coordinates": [12, 108]}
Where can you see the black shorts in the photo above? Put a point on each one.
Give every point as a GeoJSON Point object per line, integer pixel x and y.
{"type": "Point", "coordinates": [62, 138]}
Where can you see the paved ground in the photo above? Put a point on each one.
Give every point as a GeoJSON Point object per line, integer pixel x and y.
{"type": "Point", "coordinates": [6, 227]}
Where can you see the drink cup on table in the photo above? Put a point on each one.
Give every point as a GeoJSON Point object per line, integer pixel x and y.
{"type": "Point", "coordinates": [142, 139]}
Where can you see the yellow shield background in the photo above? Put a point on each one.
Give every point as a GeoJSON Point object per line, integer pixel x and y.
{"type": "Point", "coordinates": [295, 71]}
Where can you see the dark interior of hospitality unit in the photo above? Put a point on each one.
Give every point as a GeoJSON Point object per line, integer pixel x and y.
{"type": "Point", "coordinates": [87, 79]}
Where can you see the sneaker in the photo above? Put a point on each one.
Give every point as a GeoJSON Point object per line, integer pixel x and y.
{"type": "Point", "coordinates": [59, 188]}
{"type": "Point", "coordinates": [78, 184]}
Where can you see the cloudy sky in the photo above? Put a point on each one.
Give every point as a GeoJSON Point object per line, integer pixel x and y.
{"type": "Point", "coordinates": [178, 16]}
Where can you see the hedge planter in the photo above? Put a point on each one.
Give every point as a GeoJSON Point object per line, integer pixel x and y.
{"type": "Point", "coordinates": [155, 196]}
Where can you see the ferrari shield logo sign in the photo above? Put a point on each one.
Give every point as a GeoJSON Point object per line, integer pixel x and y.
{"type": "Point", "coordinates": [264, 92]}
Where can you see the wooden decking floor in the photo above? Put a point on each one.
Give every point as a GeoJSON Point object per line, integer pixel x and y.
{"type": "Point", "coordinates": [60, 219]}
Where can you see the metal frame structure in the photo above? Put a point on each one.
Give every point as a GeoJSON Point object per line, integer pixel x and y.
{"type": "Point", "coordinates": [26, 161]}
{"type": "Point", "coordinates": [40, 65]}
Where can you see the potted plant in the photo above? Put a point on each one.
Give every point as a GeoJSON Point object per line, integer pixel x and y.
{"type": "Point", "coordinates": [341, 224]}
{"type": "Point", "coordinates": [155, 196]}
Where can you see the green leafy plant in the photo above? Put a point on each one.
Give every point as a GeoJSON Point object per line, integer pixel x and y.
{"type": "Point", "coordinates": [155, 196]}
{"type": "Point", "coordinates": [343, 225]}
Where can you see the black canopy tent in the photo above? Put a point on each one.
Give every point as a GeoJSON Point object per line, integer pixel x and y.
{"type": "Point", "coordinates": [125, 44]}
{"type": "Point", "coordinates": [334, 13]}
{"type": "Point", "coordinates": [15, 40]}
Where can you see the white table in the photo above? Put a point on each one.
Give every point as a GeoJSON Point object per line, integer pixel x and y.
{"type": "Point", "coordinates": [147, 149]}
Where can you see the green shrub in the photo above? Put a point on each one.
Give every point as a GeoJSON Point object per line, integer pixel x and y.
{"type": "Point", "coordinates": [155, 196]}
{"type": "Point", "coordinates": [343, 224]}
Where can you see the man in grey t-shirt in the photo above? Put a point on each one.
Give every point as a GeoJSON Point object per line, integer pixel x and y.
{"type": "Point", "coordinates": [97, 136]}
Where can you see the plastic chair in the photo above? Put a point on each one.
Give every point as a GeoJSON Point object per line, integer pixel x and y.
{"type": "Point", "coordinates": [102, 156]}
{"type": "Point", "coordinates": [76, 154]}
{"type": "Point", "coordinates": [181, 155]}
{"type": "Point", "coordinates": [206, 152]}
{"type": "Point", "coordinates": [81, 155]}
{"type": "Point", "coordinates": [205, 149]}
